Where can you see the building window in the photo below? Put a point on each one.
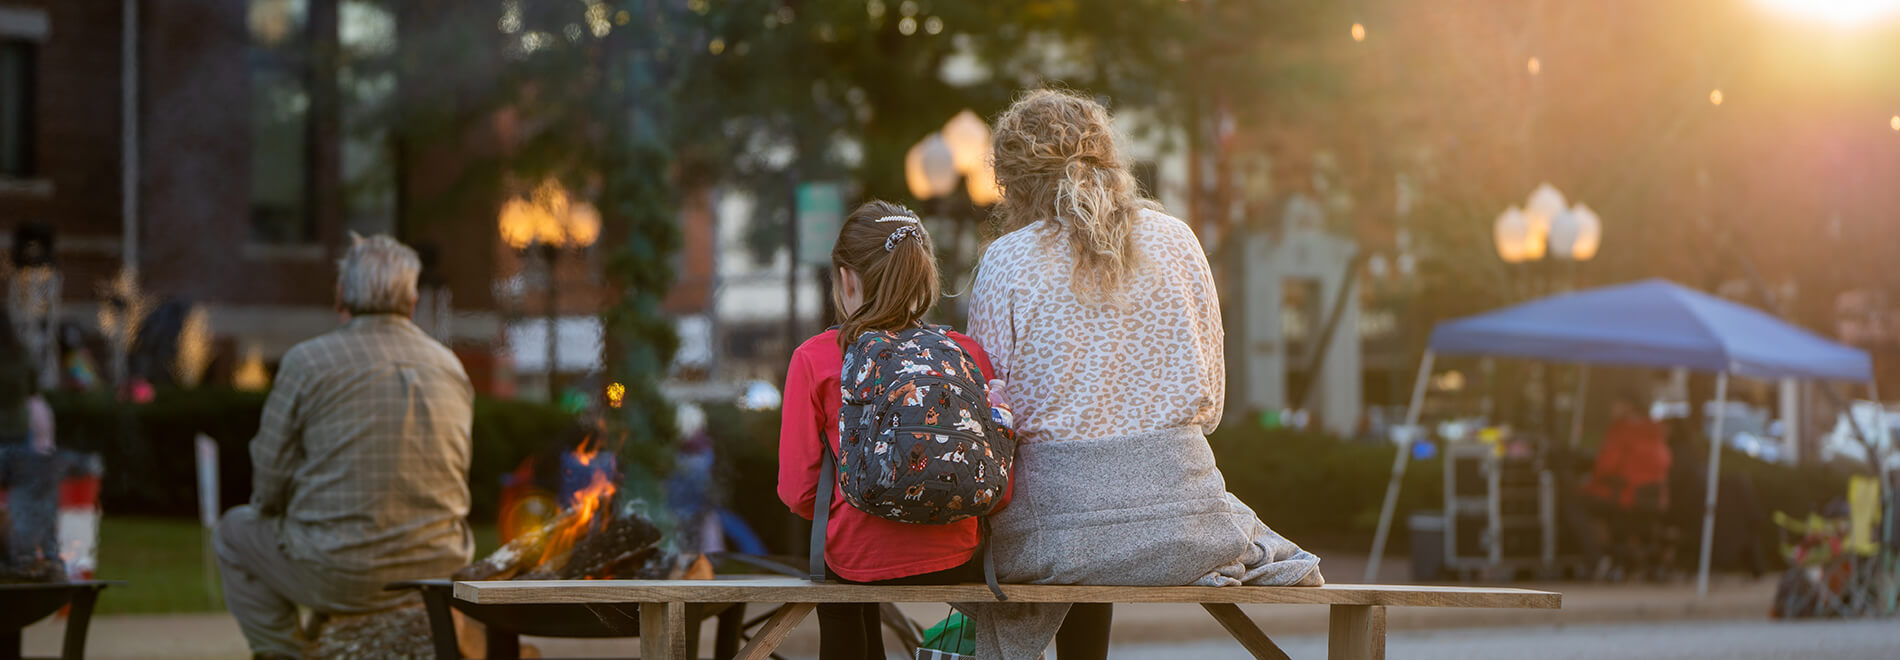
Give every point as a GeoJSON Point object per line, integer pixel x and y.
{"type": "Point", "coordinates": [366, 82]}
{"type": "Point", "coordinates": [18, 104]}
{"type": "Point", "coordinates": [280, 122]}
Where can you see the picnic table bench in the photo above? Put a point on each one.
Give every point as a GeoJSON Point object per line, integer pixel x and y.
{"type": "Point", "coordinates": [1356, 630]}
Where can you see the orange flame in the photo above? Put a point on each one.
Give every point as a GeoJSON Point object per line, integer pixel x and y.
{"type": "Point", "coordinates": [584, 516]}
{"type": "Point", "coordinates": [585, 453]}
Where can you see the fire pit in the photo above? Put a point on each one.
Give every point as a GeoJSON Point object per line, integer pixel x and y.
{"type": "Point", "coordinates": [505, 624]}
{"type": "Point", "coordinates": [596, 536]}
{"type": "Point", "coordinates": [23, 604]}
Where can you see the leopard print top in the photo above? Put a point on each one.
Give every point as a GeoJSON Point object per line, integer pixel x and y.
{"type": "Point", "coordinates": [1076, 370]}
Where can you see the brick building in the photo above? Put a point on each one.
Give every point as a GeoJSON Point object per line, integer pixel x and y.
{"type": "Point", "coordinates": [196, 141]}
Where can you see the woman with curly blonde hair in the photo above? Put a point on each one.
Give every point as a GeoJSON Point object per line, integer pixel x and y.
{"type": "Point", "coordinates": [1100, 315]}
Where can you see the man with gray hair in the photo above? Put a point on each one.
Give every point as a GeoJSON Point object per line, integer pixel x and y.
{"type": "Point", "coordinates": [360, 463]}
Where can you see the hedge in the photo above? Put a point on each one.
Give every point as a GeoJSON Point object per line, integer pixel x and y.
{"type": "Point", "coordinates": [1312, 487]}
{"type": "Point", "coordinates": [150, 456]}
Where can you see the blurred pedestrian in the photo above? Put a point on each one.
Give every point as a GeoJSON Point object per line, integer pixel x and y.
{"type": "Point", "coordinates": [17, 382]}
{"type": "Point", "coordinates": [360, 464]}
{"type": "Point", "coordinates": [1628, 490]}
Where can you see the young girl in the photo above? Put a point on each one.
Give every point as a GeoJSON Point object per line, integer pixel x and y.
{"type": "Point", "coordinates": [885, 279]}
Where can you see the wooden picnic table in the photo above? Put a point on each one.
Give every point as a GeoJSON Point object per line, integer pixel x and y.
{"type": "Point", "coordinates": [1356, 630]}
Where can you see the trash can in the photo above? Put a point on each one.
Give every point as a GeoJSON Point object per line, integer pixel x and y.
{"type": "Point", "coordinates": [1428, 545]}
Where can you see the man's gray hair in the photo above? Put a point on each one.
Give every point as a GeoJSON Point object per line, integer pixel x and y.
{"type": "Point", "coordinates": [378, 276]}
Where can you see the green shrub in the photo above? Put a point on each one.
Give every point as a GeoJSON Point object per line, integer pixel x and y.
{"type": "Point", "coordinates": [1310, 486]}
{"type": "Point", "coordinates": [150, 454]}
{"type": "Point", "coordinates": [746, 443]}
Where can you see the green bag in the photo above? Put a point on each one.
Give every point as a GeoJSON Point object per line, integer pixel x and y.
{"type": "Point", "coordinates": [955, 634]}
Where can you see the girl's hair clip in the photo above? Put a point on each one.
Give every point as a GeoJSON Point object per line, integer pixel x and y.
{"type": "Point", "coordinates": [891, 242]}
{"type": "Point", "coordinates": [896, 218]}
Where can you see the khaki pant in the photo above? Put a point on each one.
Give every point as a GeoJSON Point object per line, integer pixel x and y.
{"type": "Point", "coordinates": [263, 586]}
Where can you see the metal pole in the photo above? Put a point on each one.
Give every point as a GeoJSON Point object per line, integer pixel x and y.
{"type": "Point", "coordinates": [1399, 461]}
{"type": "Point", "coordinates": [1891, 598]}
{"type": "Point", "coordinates": [791, 268]}
{"type": "Point", "coordinates": [1576, 407]}
{"type": "Point", "coordinates": [1714, 478]}
{"type": "Point", "coordinates": [1883, 434]}
{"type": "Point", "coordinates": [549, 255]}
{"type": "Point", "coordinates": [129, 136]}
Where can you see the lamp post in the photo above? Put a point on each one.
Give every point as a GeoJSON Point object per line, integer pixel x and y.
{"type": "Point", "coordinates": [958, 153]}
{"type": "Point", "coordinates": [1547, 229]}
{"type": "Point", "coordinates": [544, 223]}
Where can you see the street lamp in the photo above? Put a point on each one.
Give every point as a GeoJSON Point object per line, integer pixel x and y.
{"type": "Point", "coordinates": [544, 223]}
{"type": "Point", "coordinates": [959, 152]}
{"type": "Point", "coordinates": [930, 168]}
{"type": "Point", "coordinates": [1547, 226]}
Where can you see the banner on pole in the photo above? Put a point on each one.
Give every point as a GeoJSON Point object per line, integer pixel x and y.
{"type": "Point", "coordinates": [820, 215]}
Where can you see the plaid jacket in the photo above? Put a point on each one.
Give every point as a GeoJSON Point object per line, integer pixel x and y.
{"type": "Point", "coordinates": [362, 456]}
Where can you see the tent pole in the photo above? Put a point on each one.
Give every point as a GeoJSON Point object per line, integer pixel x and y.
{"type": "Point", "coordinates": [1715, 475]}
{"type": "Point", "coordinates": [1887, 514]}
{"type": "Point", "coordinates": [1399, 461]}
{"type": "Point", "coordinates": [1884, 447]}
{"type": "Point", "coordinates": [1576, 407]}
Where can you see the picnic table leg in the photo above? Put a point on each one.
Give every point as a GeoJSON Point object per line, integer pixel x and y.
{"type": "Point", "coordinates": [775, 631]}
{"type": "Point", "coordinates": [663, 631]}
{"type": "Point", "coordinates": [1356, 632]}
{"type": "Point", "coordinates": [1244, 631]}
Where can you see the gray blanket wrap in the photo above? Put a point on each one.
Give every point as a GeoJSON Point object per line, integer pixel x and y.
{"type": "Point", "coordinates": [1145, 509]}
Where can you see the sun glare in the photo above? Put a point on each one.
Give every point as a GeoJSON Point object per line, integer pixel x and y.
{"type": "Point", "coordinates": [1838, 12]}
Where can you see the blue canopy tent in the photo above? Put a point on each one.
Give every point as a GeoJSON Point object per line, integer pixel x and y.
{"type": "Point", "coordinates": [1651, 323]}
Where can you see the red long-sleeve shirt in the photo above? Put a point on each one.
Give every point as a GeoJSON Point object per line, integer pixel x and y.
{"type": "Point", "coordinates": [1635, 454]}
{"type": "Point", "coordinates": [858, 546]}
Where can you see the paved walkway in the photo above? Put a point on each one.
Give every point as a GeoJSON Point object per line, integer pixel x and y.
{"type": "Point", "coordinates": [215, 635]}
{"type": "Point", "coordinates": [1699, 640]}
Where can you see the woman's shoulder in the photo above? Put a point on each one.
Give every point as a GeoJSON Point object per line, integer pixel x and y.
{"type": "Point", "coordinates": [1152, 219]}
{"type": "Point", "coordinates": [1158, 232]}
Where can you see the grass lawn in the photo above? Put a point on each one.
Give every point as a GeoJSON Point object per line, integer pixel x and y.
{"type": "Point", "coordinates": [162, 562]}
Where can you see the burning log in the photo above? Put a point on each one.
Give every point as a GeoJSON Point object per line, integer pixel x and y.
{"type": "Point", "coordinates": [523, 553]}
{"type": "Point", "coordinates": [591, 539]}
{"type": "Point", "coordinates": [625, 541]}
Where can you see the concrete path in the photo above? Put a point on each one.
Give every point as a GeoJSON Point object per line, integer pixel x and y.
{"type": "Point", "coordinates": [214, 635]}
{"type": "Point", "coordinates": [1701, 640]}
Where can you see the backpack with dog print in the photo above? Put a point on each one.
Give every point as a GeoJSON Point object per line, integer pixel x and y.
{"type": "Point", "coordinates": [917, 440]}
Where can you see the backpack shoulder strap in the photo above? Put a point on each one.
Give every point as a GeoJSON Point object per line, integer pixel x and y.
{"type": "Point", "coordinates": [821, 510]}
{"type": "Point", "coordinates": [989, 560]}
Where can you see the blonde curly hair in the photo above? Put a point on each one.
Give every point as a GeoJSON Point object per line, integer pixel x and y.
{"type": "Point", "coordinates": [1056, 159]}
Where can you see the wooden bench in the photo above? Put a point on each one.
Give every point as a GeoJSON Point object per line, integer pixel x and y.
{"type": "Point", "coordinates": [1356, 630]}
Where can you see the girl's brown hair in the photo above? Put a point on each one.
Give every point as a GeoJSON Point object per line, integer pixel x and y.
{"type": "Point", "coordinates": [886, 245]}
{"type": "Point", "coordinates": [1056, 160]}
